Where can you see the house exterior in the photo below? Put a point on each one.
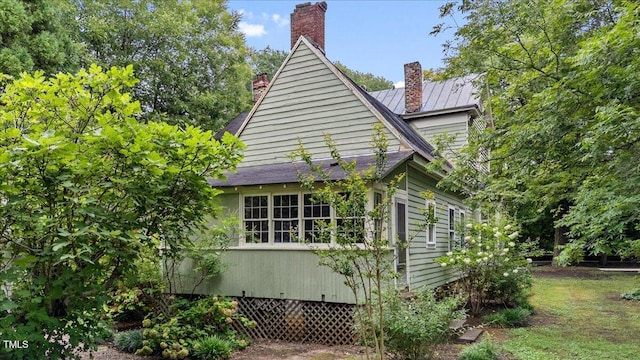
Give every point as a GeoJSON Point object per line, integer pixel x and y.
{"type": "Point", "coordinates": [307, 98]}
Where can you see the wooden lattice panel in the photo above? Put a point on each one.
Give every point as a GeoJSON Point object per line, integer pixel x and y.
{"type": "Point", "coordinates": [299, 321]}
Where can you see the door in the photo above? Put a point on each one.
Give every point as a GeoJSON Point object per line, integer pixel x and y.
{"type": "Point", "coordinates": [402, 249]}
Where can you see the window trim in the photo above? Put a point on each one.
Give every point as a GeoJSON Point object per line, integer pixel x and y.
{"type": "Point", "coordinates": [451, 225]}
{"type": "Point", "coordinates": [243, 242]}
{"type": "Point", "coordinates": [431, 239]}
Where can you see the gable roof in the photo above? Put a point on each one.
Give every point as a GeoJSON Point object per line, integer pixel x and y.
{"type": "Point", "coordinates": [451, 95]}
{"type": "Point", "coordinates": [394, 123]}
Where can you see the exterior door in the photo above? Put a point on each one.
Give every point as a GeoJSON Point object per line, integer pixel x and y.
{"type": "Point", "coordinates": [401, 237]}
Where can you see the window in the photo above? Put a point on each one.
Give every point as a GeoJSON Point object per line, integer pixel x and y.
{"type": "Point", "coordinates": [430, 214]}
{"type": "Point", "coordinates": [377, 222]}
{"type": "Point", "coordinates": [314, 213]}
{"type": "Point", "coordinates": [462, 227]}
{"type": "Point", "coordinates": [285, 217]}
{"type": "Point", "coordinates": [350, 219]}
{"type": "Point", "coordinates": [452, 221]}
{"type": "Point", "coordinates": [256, 218]}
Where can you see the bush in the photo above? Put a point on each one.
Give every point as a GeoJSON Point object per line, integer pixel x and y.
{"type": "Point", "coordinates": [128, 341]}
{"type": "Point", "coordinates": [491, 265]}
{"type": "Point", "coordinates": [484, 350]}
{"type": "Point", "coordinates": [509, 317]}
{"type": "Point", "coordinates": [633, 295]}
{"type": "Point", "coordinates": [415, 327]}
{"type": "Point", "coordinates": [213, 348]}
{"type": "Point", "coordinates": [193, 321]}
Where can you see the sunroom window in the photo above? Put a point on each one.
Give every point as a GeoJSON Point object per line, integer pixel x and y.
{"type": "Point", "coordinates": [256, 218]}
{"type": "Point", "coordinates": [287, 218]}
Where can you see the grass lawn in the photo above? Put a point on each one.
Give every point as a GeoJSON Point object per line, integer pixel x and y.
{"type": "Point", "coordinates": [579, 315]}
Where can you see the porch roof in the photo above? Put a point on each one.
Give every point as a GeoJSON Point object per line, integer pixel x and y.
{"type": "Point", "coordinates": [287, 173]}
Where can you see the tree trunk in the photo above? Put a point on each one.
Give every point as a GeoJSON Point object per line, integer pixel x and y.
{"type": "Point", "coordinates": [560, 232]}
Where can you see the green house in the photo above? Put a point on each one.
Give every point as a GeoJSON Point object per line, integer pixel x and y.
{"type": "Point", "coordinates": [307, 98]}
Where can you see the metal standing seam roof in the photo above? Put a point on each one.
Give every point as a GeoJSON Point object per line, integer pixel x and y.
{"type": "Point", "coordinates": [436, 95]}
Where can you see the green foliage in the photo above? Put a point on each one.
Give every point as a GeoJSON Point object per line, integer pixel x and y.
{"type": "Point", "coordinates": [356, 247]}
{"type": "Point", "coordinates": [369, 81]}
{"type": "Point", "coordinates": [484, 350]}
{"type": "Point", "coordinates": [266, 61]}
{"type": "Point", "coordinates": [213, 348]}
{"type": "Point", "coordinates": [128, 341]}
{"type": "Point", "coordinates": [491, 265]}
{"type": "Point", "coordinates": [512, 317]}
{"type": "Point", "coordinates": [415, 327]}
{"type": "Point", "coordinates": [190, 323]}
{"type": "Point", "coordinates": [632, 295]}
{"type": "Point", "coordinates": [85, 189]}
{"type": "Point", "coordinates": [32, 37]}
{"type": "Point", "coordinates": [189, 54]}
{"type": "Point", "coordinates": [558, 79]}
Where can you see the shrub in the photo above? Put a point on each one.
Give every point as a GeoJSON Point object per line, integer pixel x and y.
{"type": "Point", "coordinates": [484, 350]}
{"type": "Point", "coordinates": [415, 327]}
{"type": "Point", "coordinates": [632, 295]}
{"type": "Point", "coordinates": [491, 265]}
{"type": "Point", "coordinates": [193, 321]}
{"type": "Point", "coordinates": [213, 348]}
{"type": "Point", "coordinates": [128, 341]}
{"type": "Point", "coordinates": [514, 317]}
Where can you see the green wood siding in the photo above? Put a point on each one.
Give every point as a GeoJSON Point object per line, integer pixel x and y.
{"type": "Point", "coordinates": [274, 273]}
{"type": "Point", "coordinates": [424, 271]}
{"type": "Point", "coordinates": [305, 102]}
{"type": "Point", "coordinates": [451, 124]}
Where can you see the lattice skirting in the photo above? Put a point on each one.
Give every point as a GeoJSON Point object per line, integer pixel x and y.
{"type": "Point", "coordinates": [298, 321]}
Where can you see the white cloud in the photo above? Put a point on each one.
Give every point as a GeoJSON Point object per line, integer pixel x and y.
{"type": "Point", "coordinates": [279, 20]}
{"type": "Point", "coordinates": [399, 84]}
{"type": "Point", "coordinates": [251, 30]}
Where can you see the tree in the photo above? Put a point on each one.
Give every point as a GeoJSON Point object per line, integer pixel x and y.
{"type": "Point", "coordinates": [189, 55]}
{"type": "Point", "coordinates": [369, 81]}
{"type": "Point", "coordinates": [32, 38]}
{"type": "Point", "coordinates": [266, 61]}
{"type": "Point", "coordinates": [85, 188]}
{"type": "Point", "coordinates": [558, 77]}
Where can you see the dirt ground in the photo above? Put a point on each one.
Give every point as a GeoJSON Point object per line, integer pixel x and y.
{"type": "Point", "coordinates": [274, 350]}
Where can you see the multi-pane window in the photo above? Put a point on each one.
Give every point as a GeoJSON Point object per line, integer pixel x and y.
{"type": "Point", "coordinates": [256, 218]}
{"type": "Point", "coordinates": [452, 225]}
{"type": "Point", "coordinates": [288, 218]}
{"type": "Point", "coordinates": [315, 213]}
{"type": "Point", "coordinates": [350, 219]}
{"type": "Point", "coordinates": [462, 228]}
{"type": "Point", "coordinates": [285, 217]}
{"type": "Point", "coordinates": [430, 208]}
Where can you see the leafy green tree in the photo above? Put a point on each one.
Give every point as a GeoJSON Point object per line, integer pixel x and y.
{"type": "Point", "coordinates": [85, 187]}
{"type": "Point", "coordinates": [189, 55]}
{"type": "Point", "coordinates": [369, 81]}
{"type": "Point", "coordinates": [267, 61]}
{"type": "Point", "coordinates": [33, 38]}
{"type": "Point", "coordinates": [559, 78]}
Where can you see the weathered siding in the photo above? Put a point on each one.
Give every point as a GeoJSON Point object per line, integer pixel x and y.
{"type": "Point", "coordinates": [306, 101]}
{"type": "Point", "coordinates": [450, 124]}
{"type": "Point", "coordinates": [424, 270]}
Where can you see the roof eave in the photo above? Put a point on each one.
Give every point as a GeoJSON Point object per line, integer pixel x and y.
{"type": "Point", "coordinates": [474, 109]}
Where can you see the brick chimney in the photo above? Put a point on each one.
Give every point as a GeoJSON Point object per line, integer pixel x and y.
{"type": "Point", "coordinates": [412, 87]}
{"type": "Point", "coordinates": [308, 20]}
{"type": "Point", "coordinates": [260, 85]}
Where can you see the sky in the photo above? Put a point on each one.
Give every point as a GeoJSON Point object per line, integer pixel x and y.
{"type": "Point", "coordinates": [370, 36]}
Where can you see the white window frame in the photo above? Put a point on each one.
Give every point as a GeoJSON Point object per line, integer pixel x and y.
{"type": "Point", "coordinates": [303, 219]}
{"type": "Point", "coordinates": [272, 223]}
{"type": "Point", "coordinates": [430, 229]}
{"type": "Point", "coordinates": [271, 220]}
{"type": "Point", "coordinates": [451, 225]}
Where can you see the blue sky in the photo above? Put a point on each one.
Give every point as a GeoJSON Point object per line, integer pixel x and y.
{"type": "Point", "coordinates": [376, 37]}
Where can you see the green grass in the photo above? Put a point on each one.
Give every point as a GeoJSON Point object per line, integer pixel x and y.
{"type": "Point", "coordinates": [580, 319]}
